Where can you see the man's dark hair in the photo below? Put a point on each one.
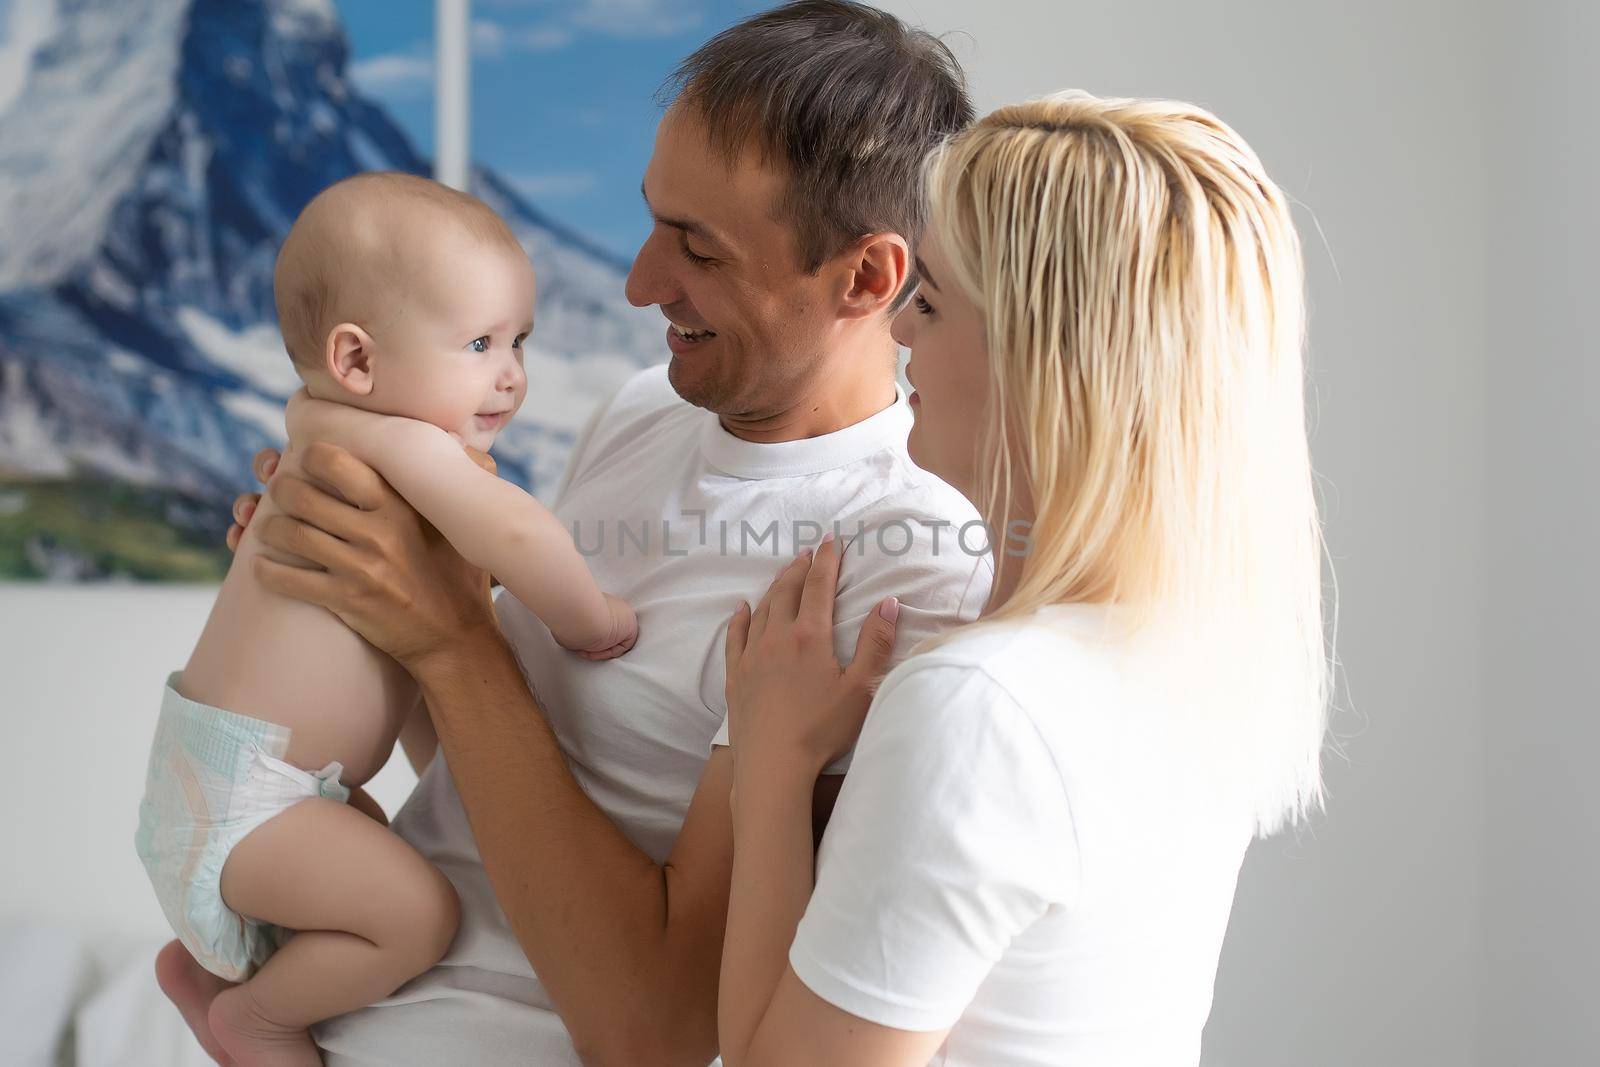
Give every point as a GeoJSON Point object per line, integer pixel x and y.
{"type": "Point", "coordinates": [847, 99]}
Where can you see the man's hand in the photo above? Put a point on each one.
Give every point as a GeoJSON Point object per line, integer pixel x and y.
{"type": "Point", "coordinates": [373, 561]}
{"type": "Point", "coordinates": [245, 504]}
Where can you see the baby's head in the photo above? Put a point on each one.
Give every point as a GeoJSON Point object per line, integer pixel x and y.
{"type": "Point", "coordinates": [403, 296]}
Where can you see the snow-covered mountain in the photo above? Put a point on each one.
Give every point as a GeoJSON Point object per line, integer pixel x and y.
{"type": "Point", "coordinates": [153, 154]}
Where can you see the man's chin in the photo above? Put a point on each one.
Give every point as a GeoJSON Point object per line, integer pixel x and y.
{"type": "Point", "coordinates": [693, 384]}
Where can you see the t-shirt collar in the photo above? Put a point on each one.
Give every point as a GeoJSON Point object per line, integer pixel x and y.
{"type": "Point", "coordinates": [813, 455]}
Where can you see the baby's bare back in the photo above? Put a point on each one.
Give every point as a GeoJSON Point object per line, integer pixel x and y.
{"type": "Point", "coordinates": [295, 664]}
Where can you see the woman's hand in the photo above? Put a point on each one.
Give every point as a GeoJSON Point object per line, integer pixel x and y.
{"type": "Point", "coordinates": [373, 561]}
{"type": "Point", "coordinates": [790, 704]}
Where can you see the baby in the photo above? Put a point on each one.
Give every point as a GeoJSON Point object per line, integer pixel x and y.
{"type": "Point", "coordinates": [404, 306]}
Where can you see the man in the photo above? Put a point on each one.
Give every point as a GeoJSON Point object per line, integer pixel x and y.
{"type": "Point", "coordinates": [587, 832]}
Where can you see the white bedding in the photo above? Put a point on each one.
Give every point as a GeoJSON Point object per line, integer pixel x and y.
{"type": "Point", "coordinates": [67, 1003]}
{"type": "Point", "coordinates": [79, 925]}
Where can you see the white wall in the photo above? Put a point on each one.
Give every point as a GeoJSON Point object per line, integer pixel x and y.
{"type": "Point", "coordinates": [81, 670]}
{"type": "Point", "coordinates": [1455, 372]}
{"type": "Point", "coordinates": [1358, 943]}
{"type": "Point", "coordinates": [1543, 807]}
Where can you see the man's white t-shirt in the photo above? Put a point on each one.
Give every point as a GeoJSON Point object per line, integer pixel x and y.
{"type": "Point", "coordinates": [1027, 851]}
{"type": "Point", "coordinates": [683, 520]}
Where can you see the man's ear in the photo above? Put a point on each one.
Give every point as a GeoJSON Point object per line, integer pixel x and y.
{"type": "Point", "coordinates": [878, 267]}
{"type": "Point", "coordinates": [348, 358]}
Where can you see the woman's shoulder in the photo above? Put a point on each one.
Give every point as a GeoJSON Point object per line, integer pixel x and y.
{"type": "Point", "coordinates": [1033, 662]}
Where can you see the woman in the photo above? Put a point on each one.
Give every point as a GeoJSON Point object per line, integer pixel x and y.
{"type": "Point", "coordinates": [1035, 852]}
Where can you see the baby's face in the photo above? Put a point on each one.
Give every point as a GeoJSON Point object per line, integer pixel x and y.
{"type": "Point", "coordinates": [453, 356]}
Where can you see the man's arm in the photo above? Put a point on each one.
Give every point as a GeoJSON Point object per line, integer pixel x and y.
{"type": "Point", "coordinates": [628, 950]}
{"type": "Point", "coordinates": [418, 739]}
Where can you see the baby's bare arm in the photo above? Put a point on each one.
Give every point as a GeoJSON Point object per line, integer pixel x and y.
{"type": "Point", "coordinates": [492, 523]}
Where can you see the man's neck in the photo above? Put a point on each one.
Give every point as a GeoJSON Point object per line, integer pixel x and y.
{"type": "Point", "coordinates": [832, 401]}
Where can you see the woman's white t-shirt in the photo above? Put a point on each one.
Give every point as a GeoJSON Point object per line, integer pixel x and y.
{"type": "Point", "coordinates": [1026, 852]}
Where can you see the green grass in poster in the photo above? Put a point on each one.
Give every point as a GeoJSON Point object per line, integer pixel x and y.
{"type": "Point", "coordinates": [79, 529]}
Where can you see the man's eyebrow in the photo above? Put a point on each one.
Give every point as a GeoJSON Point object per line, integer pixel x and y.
{"type": "Point", "coordinates": [686, 225]}
{"type": "Point", "coordinates": [922, 271]}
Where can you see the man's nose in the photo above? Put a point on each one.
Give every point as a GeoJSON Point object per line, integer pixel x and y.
{"type": "Point", "coordinates": [650, 280]}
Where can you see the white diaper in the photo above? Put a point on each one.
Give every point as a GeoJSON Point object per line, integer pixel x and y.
{"type": "Point", "coordinates": [214, 776]}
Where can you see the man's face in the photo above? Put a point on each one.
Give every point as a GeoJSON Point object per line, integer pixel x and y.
{"type": "Point", "coordinates": [754, 326]}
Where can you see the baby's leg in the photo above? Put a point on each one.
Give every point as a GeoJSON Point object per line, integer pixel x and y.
{"type": "Point", "coordinates": [371, 911]}
{"type": "Point", "coordinates": [192, 988]}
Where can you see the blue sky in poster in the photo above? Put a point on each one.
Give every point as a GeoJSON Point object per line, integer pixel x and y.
{"type": "Point", "coordinates": [562, 91]}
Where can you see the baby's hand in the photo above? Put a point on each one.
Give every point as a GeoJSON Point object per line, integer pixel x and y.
{"type": "Point", "coordinates": [624, 632]}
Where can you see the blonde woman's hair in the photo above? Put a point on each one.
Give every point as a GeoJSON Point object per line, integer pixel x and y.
{"type": "Point", "coordinates": [1141, 286]}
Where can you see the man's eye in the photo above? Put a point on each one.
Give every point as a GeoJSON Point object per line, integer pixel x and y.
{"type": "Point", "coordinates": [480, 345]}
{"type": "Point", "coordinates": [691, 257]}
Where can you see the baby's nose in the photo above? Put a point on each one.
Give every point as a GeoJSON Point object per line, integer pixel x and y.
{"type": "Point", "coordinates": [512, 376]}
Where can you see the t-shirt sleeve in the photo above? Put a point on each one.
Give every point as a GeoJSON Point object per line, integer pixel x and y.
{"type": "Point", "coordinates": [951, 836]}
{"type": "Point", "coordinates": [938, 583]}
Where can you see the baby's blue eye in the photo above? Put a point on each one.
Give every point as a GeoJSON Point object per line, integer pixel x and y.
{"type": "Point", "coordinates": [518, 342]}
{"type": "Point", "coordinates": [480, 345]}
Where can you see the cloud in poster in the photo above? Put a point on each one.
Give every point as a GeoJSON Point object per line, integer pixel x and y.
{"type": "Point", "coordinates": [409, 74]}
{"type": "Point", "coordinates": [492, 40]}
{"type": "Point", "coordinates": [23, 27]}
{"type": "Point", "coordinates": [640, 18]}
{"type": "Point", "coordinates": [397, 75]}
{"type": "Point", "coordinates": [616, 18]}
{"type": "Point", "coordinates": [554, 186]}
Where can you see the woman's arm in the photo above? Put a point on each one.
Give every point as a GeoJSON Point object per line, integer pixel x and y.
{"type": "Point", "coordinates": [491, 522]}
{"type": "Point", "coordinates": [772, 878]}
{"type": "Point", "coordinates": [766, 1015]}
{"type": "Point", "coordinates": [792, 709]}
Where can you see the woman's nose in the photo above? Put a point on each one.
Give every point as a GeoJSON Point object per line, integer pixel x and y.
{"type": "Point", "coordinates": [900, 328]}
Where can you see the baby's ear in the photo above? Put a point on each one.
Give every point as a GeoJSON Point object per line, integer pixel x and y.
{"type": "Point", "coordinates": [349, 358]}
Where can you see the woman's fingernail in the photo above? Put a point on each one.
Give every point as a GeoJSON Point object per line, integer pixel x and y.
{"type": "Point", "coordinates": [827, 537]}
{"type": "Point", "coordinates": [890, 609]}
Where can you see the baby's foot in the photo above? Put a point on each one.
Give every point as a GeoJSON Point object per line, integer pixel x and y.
{"type": "Point", "coordinates": [191, 988]}
{"type": "Point", "coordinates": [253, 1040]}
